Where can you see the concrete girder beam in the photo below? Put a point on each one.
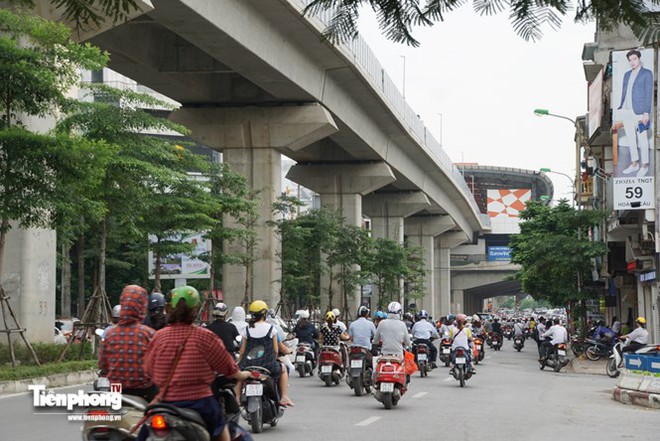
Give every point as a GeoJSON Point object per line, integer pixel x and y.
{"type": "Point", "coordinates": [452, 239]}
{"type": "Point", "coordinates": [428, 225]}
{"type": "Point", "coordinates": [395, 204]}
{"type": "Point", "coordinates": [342, 179]}
{"type": "Point", "coordinates": [291, 128]}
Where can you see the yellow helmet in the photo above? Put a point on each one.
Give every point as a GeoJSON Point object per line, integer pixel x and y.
{"type": "Point", "coordinates": [329, 315]}
{"type": "Point", "coordinates": [258, 306]}
{"type": "Point", "coordinates": [641, 320]}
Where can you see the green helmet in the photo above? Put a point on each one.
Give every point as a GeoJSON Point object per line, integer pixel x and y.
{"type": "Point", "coordinates": [187, 293]}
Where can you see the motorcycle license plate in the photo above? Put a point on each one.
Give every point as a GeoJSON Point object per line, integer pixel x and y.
{"type": "Point", "coordinates": [326, 369]}
{"type": "Point", "coordinates": [460, 360]}
{"type": "Point", "coordinates": [478, 347]}
{"type": "Point", "coordinates": [561, 352]}
{"type": "Point", "coordinates": [446, 351]}
{"type": "Point", "coordinates": [356, 364]}
{"type": "Point", "coordinates": [254, 390]}
{"type": "Point", "coordinates": [387, 387]}
{"type": "Point", "coordinates": [421, 357]}
{"type": "Point", "coordinates": [300, 359]}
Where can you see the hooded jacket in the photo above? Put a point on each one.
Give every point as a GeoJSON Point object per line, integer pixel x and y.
{"type": "Point", "coordinates": [121, 356]}
{"type": "Point", "coordinates": [238, 319]}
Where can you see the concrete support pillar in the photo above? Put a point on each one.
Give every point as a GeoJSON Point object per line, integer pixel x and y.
{"type": "Point", "coordinates": [251, 139]}
{"type": "Point", "coordinates": [450, 301]}
{"type": "Point", "coordinates": [341, 187]}
{"type": "Point", "coordinates": [421, 232]}
{"type": "Point", "coordinates": [387, 212]}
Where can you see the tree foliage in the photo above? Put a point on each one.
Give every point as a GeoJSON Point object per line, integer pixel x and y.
{"type": "Point", "coordinates": [398, 18]}
{"type": "Point", "coordinates": [550, 253]}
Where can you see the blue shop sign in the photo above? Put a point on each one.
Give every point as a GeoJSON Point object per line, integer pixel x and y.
{"type": "Point", "coordinates": [648, 276]}
{"type": "Point", "coordinates": [499, 254]}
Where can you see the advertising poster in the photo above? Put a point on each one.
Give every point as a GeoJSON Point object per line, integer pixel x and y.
{"type": "Point", "coordinates": [183, 266]}
{"type": "Point", "coordinates": [633, 78]}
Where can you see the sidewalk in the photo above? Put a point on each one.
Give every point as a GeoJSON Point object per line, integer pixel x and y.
{"type": "Point", "coordinates": [585, 366]}
{"type": "Point", "coordinates": [55, 380]}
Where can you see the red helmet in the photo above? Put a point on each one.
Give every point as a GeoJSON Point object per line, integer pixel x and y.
{"type": "Point", "coordinates": [461, 318]}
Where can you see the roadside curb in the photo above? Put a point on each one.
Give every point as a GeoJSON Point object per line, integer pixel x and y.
{"type": "Point", "coordinates": [578, 366]}
{"type": "Point", "coordinates": [637, 398]}
{"type": "Point", "coordinates": [55, 380]}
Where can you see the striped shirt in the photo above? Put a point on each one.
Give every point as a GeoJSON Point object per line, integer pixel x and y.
{"type": "Point", "coordinates": [203, 357]}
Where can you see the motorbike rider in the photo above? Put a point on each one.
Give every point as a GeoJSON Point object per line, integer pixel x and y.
{"type": "Point", "coordinates": [338, 323]}
{"type": "Point", "coordinates": [259, 333]}
{"type": "Point", "coordinates": [238, 319]}
{"type": "Point", "coordinates": [306, 332]}
{"type": "Point", "coordinates": [461, 337]}
{"type": "Point", "coordinates": [557, 334]}
{"type": "Point", "coordinates": [121, 356]}
{"type": "Point", "coordinates": [362, 332]}
{"type": "Point", "coordinates": [638, 338]}
{"type": "Point", "coordinates": [408, 320]}
{"type": "Point", "coordinates": [540, 329]}
{"type": "Point", "coordinates": [392, 333]}
{"type": "Point", "coordinates": [518, 328]}
{"type": "Point", "coordinates": [226, 331]}
{"type": "Point", "coordinates": [203, 357]}
{"type": "Point", "coordinates": [425, 332]}
{"type": "Point", "coordinates": [332, 335]}
{"type": "Point", "coordinates": [115, 319]}
{"type": "Point", "coordinates": [156, 319]}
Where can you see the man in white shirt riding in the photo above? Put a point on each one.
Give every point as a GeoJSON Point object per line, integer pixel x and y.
{"type": "Point", "coordinates": [425, 332]}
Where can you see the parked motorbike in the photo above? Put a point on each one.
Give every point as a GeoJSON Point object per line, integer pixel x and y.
{"type": "Point", "coordinates": [131, 413]}
{"type": "Point", "coordinates": [360, 371]}
{"type": "Point", "coordinates": [260, 399]}
{"type": "Point", "coordinates": [445, 351]}
{"type": "Point", "coordinates": [421, 351]}
{"type": "Point", "coordinates": [479, 351]}
{"type": "Point", "coordinates": [390, 380]}
{"type": "Point", "coordinates": [496, 341]}
{"type": "Point", "coordinates": [597, 349]}
{"type": "Point", "coordinates": [331, 368]}
{"type": "Point", "coordinates": [518, 342]}
{"type": "Point", "coordinates": [305, 359]}
{"type": "Point", "coordinates": [615, 363]}
{"type": "Point", "coordinates": [460, 370]}
{"type": "Point", "coordinates": [556, 359]}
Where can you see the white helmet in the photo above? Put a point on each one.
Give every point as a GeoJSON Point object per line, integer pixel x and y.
{"type": "Point", "coordinates": [394, 308]}
{"type": "Point", "coordinates": [220, 309]}
{"type": "Point", "coordinates": [476, 318]}
{"type": "Point", "coordinates": [304, 314]}
{"type": "Point", "coordinates": [115, 311]}
{"type": "Point", "coordinates": [336, 312]}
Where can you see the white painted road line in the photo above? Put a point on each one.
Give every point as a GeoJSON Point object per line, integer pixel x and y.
{"type": "Point", "coordinates": [419, 394]}
{"type": "Point", "coordinates": [368, 421]}
{"type": "Point", "coordinates": [448, 379]}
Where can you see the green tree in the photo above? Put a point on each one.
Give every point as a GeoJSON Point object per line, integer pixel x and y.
{"type": "Point", "coordinates": [551, 255]}
{"type": "Point", "coordinates": [386, 264]}
{"type": "Point", "coordinates": [141, 168]}
{"type": "Point", "coordinates": [415, 273]}
{"type": "Point", "coordinates": [38, 172]}
{"type": "Point", "coordinates": [397, 18]}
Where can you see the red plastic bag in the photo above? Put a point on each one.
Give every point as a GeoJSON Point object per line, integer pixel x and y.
{"type": "Point", "coordinates": [409, 365]}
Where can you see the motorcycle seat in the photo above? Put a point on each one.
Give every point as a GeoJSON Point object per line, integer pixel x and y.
{"type": "Point", "coordinates": [188, 414]}
{"type": "Point", "coordinates": [391, 359]}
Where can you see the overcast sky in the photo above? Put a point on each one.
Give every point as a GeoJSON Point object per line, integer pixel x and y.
{"type": "Point", "coordinates": [486, 81]}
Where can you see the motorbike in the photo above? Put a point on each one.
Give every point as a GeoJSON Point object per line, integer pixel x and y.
{"type": "Point", "coordinates": [260, 399]}
{"type": "Point", "coordinates": [615, 363]}
{"type": "Point", "coordinates": [518, 342]}
{"type": "Point", "coordinates": [390, 380]}
{"type": "Point", "coordinates": [360, 371]}
{"type": "Point", "coordinates": [421, 351]}
{"type": "Point", "coordinates": [479, 351]}
{"type": "Point", "coordinates": [556, 359]}
{"type": "Point", "coordinates": [496, 340]}
{"type": "Point", "coordinates": [331, 368]}
{"type": "Point", "coordinates": [167, 422]}
{"type": "Point", "coordinates": [224, 391]}
{"type": "Point", "coordinates": [460, 370]}
{"type": "Point", "coordinates": [305, 359]}
{"type": "Point", "coordinates": [122, 430]}
{"type": "Point", "coordinates": [508, 333]}
{"type": "Point", "coordinates": [597, 349]}
{"type": "Point", "coordinates": [445, 351]}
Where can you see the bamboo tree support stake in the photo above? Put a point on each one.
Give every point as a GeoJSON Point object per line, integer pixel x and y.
{"type": "Point", "coordinates": [6, 307]}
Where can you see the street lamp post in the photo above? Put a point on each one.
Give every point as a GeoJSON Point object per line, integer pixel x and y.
{"type": "Point", "coordinates": [547, 170]}
{"type": "Point", "coordinates": [578, 182]}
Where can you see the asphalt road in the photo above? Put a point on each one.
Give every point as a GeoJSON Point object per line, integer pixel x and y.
{"type": "Point", "coordinates": [509, 399]}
